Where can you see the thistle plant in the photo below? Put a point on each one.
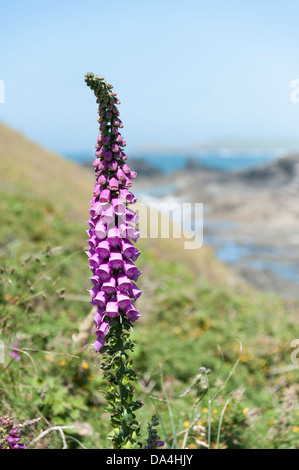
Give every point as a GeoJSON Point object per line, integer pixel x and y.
{"type": "Point", "coordinates": [111, 259]}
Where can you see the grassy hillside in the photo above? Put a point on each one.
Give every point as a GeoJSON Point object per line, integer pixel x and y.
{"type": "Point", "coordinates": [195, 313]}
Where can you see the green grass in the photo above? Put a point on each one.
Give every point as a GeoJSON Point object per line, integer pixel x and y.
{"type": "Point", "coordinates": [185, 318]}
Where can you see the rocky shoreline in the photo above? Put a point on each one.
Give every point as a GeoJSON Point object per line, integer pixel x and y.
{"type": "Point", "coordinates": [251, 217]}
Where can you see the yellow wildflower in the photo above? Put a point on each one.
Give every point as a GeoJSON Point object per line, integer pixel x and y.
{"type": "Point", "coordinates": [192, 446]}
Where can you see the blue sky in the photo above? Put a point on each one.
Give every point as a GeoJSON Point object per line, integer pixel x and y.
{"type": "Point", "coordinates": [185, 72]}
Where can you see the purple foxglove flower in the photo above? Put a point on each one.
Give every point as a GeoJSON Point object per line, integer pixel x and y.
{"type": "Point", "coordinates": [93, 221]}
{"type": "Point", "coordinates": [128, 248]}
{"type": "Point", "coordinates": [123, 283]}
{"type": "Point", "coordinates": [109, 286]}
{"type": "Point", "coordinates": [92, 241]}
{"type": "Point", "coordinates": [123, 300]}
{"type": "Point", "coordinates": [103, 165]}
{"type": "Point", "coordinates": [130, 269]}
{"type": "Point", "coordinates": [115, 260]}
{"type": "Point", "coordinates": [99, 343]}
{"type": "Point", "coordinates": [102, 329]}
{"type": "Point", "coordinates": [123, 156]}
{"type": "Point", "coordinates": [107, 216]}
{"type": "Point", "coordinates": [103, 271]}
{"type": "Point", "coordinates": [112, 309]}
{"type": "Point", "coordinates": [118, 138]}
{"type": "Point", "coordinates": [112, 224]}
{"type": "Point", "coordinates": [103, 249]}
{"type": "Point", "coordinates": [131, 216]}
{"type": "Point", "coordinates": [100, 230]}
{"type": "Point", "coordinates": [132, 313]}
{"type": "Point", "coordinates": [130, 251]}
{"type": "Point", "coordinates": [135, 256]}
{"type": "Point", "coordinates": [114, 236]}
{"type": "Point", "coordinates": [120, 175]}
{"type": "Point", "coordinates": [101, 299]}
{"type": "Point", "coordinates": [114, 147]}
{"type": "Point", "coordinates": [13, 440]}
{"type": "Point", "coordinates": [132, 175]}
{"type": "Point", "coordinates": [113, 184]}
{"type": "Point", "coordinates": [127, 182]}
{"type": "Point", "coordinates": [95, 280]}
{"type": "Point", "coordinates": [94, 291]}
{"type": "Point", "coordinates": [95, 260]}
{"type": "Point", "coordinates": [101, 152]}
{"type": "Point", "coordinates": [127, 231]}
{"type": "Point", "coordinates": [117, 154]}
{"type": "Point", "coordinates": [106, 140]}
{"type": "Point", "coordinates": [113, 165]}
{"type": "Point", "coordinates": [96, 209]}
{"type": "Point", "coordinates": [108, 156]}
{"type": "Point", "coordinates": [126, 169]}
{"type": "Point", "coordinates": [127, 196]}
{"type": "Point", "coordinates": [134, 291]}
{"type": "Point", "coordinates": [97, 190]}
{"type": "Point", "coordinates": [105, 196]}
{"type": "Point", "coordinates": [118, 206]}
{"type": "Point", "coordinates": [135, 275]}
{"type": "Point", "coordinates": [102, 179]}
{"type": "Point", "coordinates": [98, 318]}
{"type": "Point", "coordinates": [96, 162]}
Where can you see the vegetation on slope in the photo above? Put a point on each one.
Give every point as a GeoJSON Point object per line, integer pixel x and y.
{"type": "Point", "coordinates": [194, 316]}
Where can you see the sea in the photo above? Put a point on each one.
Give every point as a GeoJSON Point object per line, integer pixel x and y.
{"type": "Point", "coordinates": [222, 159]}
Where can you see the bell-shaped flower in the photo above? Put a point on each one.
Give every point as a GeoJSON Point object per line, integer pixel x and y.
{"type": "Point", "coordinates": [123, 300]}
{"type": "Point", "coordinates": [115, 260]}
{"type": "Point", "coordinates": [101, 230]}
{"type": "Point", "coordinates": [112, 309]}
{"type": "Point", "coordinates": [134, 291]}
{"type": "Point", "coordinates": [123, 283]}
{"type": "Point", "coordinates": [103, 249]}
{"type": "Point", "coordinates": [109, 286]}
{"type": "Point", "coordinates": [105, 196]}
{"type": "Point", "coordinates": [103, 271]}
{"type": "Point", "coordinates": [113, 184]}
